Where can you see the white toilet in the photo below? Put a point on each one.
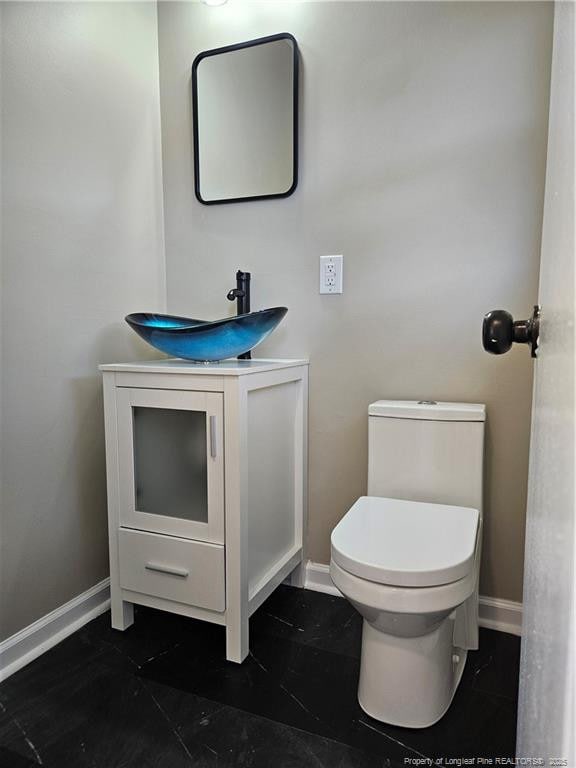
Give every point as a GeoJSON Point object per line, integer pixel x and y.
{"type": "Point", "coordinates": [408, 556]}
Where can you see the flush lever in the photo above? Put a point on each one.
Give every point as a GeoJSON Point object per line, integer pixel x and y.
{"type": "Point", "coordinates": [500, 331]}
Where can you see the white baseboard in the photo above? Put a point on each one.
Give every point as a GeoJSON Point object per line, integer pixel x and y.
{"type": "Point", "coordinates": [37, 638]}
{"type": "Point", "coordinates": [318, 578]}
{"type": "Point", "coordinates": [501, 615]}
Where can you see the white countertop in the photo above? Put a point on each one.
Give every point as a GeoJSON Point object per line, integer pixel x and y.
{"type": "Point", "coordinates": [230, 367]}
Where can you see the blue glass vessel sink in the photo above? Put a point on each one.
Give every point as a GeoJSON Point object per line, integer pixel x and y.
{"type": "Point", "coordinates": [206, 341]}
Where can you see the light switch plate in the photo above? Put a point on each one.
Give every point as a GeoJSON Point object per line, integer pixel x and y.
{"type": "Point", "coordinates": [331, 274]}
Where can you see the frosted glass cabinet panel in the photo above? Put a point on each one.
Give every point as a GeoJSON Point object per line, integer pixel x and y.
{"type": "Point", "coordinates": [170, 459]}
{"type": "Point", "coordinates": [170, 463]}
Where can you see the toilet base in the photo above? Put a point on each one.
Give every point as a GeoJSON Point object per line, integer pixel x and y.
{"type": "Point", "coordinates": [409, 681]}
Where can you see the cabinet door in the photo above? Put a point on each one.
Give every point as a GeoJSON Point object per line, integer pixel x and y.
{"type": "Point", "coordinates": [171, 462]}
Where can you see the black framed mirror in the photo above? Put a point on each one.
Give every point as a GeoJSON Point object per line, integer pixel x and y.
{"type": "Point", "coordinates": [245, 102]}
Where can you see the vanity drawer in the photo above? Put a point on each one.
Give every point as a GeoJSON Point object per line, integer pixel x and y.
{"type": "Point", "coordinates": [182, 570]}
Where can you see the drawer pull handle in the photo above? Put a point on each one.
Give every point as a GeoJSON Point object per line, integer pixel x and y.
{"type": "Point", "coordinates": [181, 572]}
{"type": "Point", "coordinates": [213, 436]}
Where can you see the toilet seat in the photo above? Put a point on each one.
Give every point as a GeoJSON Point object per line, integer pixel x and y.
{"type": "Point", "coordinates": [400, 600]}
{"type": "Point", "coordinates": [403, 543]}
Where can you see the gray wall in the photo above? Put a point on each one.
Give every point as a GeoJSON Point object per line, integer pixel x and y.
{"type": "Point", "coordinates": [423, 158]}
{"type": "Point", "coordinates": [82, 245]}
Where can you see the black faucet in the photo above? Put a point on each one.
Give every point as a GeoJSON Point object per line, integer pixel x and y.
{"type": "Point", "coordinates": [242, 295]}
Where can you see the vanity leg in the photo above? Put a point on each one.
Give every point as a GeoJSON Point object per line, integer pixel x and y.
{"type": "Point", "coordinates": [122, 612]}
{"type": "Point", "coordinates": [236, 514]}
{"type": "Point", "coordinates": [237, 647]}
{"type": "Point", "coordinates": [298, 576]}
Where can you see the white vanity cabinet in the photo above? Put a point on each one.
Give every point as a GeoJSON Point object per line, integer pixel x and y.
{"type": "Point", "coordinates": [206, 469]}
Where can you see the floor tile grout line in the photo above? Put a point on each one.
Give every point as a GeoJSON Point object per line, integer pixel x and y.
{"type": "Point", "coordinates": [291, 727]}
{"type": "Point", "coordinates": [391, 738]}
{"type": "Point", "coordinates": [23, 733]}
{"type": "Point", "coordinates": [172, 725]}
{"type": "Point", "coordinates": [494, 695]}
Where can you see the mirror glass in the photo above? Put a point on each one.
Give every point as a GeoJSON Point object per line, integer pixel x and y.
{"type": "Point", "coordinates": [245, 120]}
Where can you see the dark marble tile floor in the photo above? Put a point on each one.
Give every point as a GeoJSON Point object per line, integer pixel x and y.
{"type": "Point", "coordinates": [161, 695]}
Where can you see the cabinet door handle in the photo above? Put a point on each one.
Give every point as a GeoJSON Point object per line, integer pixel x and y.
{"type": "Point", "coordinates": [181, 572]}
{"type": "Point", "coordinates": [213, 445]}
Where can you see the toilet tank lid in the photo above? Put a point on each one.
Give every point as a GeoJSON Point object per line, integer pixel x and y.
{"type": "Point", "coordinates": [428, 410]}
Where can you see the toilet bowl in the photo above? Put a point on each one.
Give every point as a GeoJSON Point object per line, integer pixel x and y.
{"type": "Point", "coordinates": [410, 563]}
{"type": "Point", "coordinates": [406, 566]}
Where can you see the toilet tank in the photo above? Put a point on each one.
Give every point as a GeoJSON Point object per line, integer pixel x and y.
{"type": "Point", "coordinates": [426, 451]}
